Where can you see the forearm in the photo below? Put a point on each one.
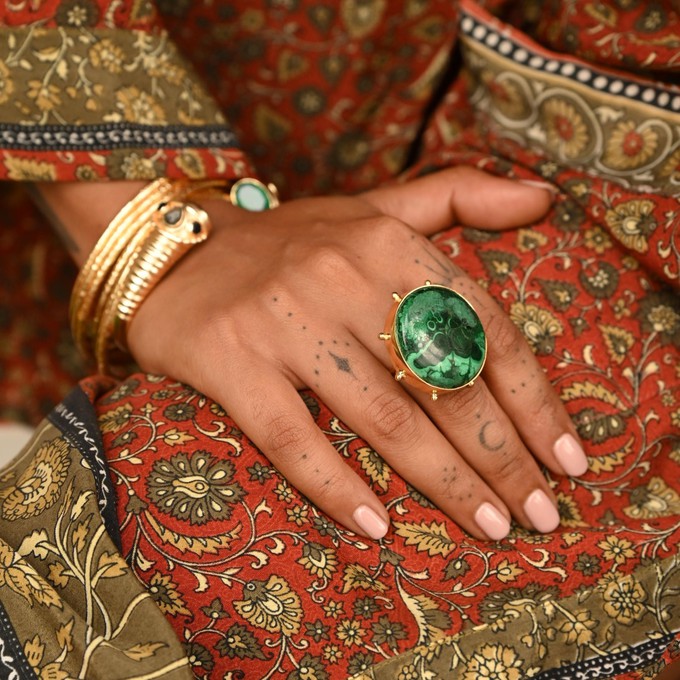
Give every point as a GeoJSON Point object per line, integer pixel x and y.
{"type": "Point", "coordinates": [80, 212]}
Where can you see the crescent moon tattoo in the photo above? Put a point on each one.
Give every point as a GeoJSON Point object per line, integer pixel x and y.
{"type": "Point", "coordinates": [483, 441]}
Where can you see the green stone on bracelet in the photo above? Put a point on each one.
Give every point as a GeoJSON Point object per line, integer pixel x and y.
{"type": "Point", "coordinates": [440, 337]}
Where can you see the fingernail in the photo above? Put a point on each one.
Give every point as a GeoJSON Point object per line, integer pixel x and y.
{"type": "Point", "coordinates": [570, 455]}
{"type": "Point", "coordinates": [541, 512]}
{"type": "Point", "coordinates": [540, 185]}
{"type": "Point", "coordinates": [492, 522]}
{"type": "Point", "coordinates": [370, 522]}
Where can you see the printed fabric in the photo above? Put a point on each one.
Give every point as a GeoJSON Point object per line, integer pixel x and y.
{"type": "Point", "coordinates": [144, 535]}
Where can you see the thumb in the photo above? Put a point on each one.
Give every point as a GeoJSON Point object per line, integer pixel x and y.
{"type": "Point", "coordinates": [462, 195]}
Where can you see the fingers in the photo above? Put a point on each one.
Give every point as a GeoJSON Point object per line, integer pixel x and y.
{"type": "Point", "coordinates": [522, 389]}
{"type": "Point", "coordinates": [476, 425]}
{"type": "Point", "coordinates": [365, 396]}
{"type": "Point", "coordinates": [269, 409]}
{"type": "Point", "coordinates": [461, 195]}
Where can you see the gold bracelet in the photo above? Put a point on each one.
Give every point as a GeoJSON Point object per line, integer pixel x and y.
{"type": "Point", "coordinates": [174, 229]}
{"type": "Point", "coordinates": [142, 243]}
{"type": "Point", "coordinates": [106, 252]}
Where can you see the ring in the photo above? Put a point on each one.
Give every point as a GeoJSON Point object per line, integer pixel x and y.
{"type": "Point", "coordinates": [435, 339]}
{"type": "Point", "coordinates": [251, 194]}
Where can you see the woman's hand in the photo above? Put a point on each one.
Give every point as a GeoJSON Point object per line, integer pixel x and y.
{"type": "Point", "coordinates": [296, 297]}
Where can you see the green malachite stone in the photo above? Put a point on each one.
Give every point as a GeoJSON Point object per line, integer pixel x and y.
{"type": "Point", "coordinates": [440, 337]}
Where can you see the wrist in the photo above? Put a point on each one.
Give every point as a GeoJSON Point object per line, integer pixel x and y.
{"type": "Point", "coordinates": [80, 212]}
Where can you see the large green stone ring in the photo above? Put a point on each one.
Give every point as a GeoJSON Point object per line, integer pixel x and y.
{"type": "Point", "coordinates": [435, 339]}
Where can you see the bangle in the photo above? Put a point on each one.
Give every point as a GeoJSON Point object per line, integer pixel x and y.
{"type": "Point", "coordinates": [138, 248]}
{"type": "Point", "coordinates": [106, 252]}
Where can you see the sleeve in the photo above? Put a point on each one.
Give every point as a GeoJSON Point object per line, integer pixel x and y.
{"type": "Point", "coordinates": [95, 89]}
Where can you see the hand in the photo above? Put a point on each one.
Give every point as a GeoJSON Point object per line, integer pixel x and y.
{"type": "Point", "coordinates": [296, 297]}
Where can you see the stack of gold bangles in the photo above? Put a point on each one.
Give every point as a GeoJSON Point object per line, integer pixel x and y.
{"type": "Point", "coordinates": [145, 239]}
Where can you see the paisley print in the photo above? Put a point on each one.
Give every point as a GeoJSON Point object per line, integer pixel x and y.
{"type": "Point", "coordinates": [229, 571]}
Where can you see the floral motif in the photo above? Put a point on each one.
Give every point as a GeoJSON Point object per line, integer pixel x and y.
{"type": "Point", "coordinates": [504, 605]}
{"type": "Point", "coordinates": [671, 167]}
{"type": "Point", "coordinates": [655, 499]}
{"type": "Point", "coordinates": [538, 325]}
{"type": "Point", "coordinates": [139, 107]}
{"type": "Point", "coordinates": [660, 313]}
{"type": "Point", "coordinates": [240, 643]}
{"type": "Point", "coordinates": [506, 94]}
{"type": "Point", "coordinates": [271, 605]}
{"type": "Point", "coordinates": [198, 488]}
{"type": "Point", "coordinates": [318, 560]}
{"type": "Point", "coordinates": [6, 84]}
{"type": "Point", "coordinates": [28, 170]}
{"type": "Point", "coordinates": [597, 239]}
{"type": "Point", "coordinates": [40, 484]}
{"type": "Point", "coordinates": [77, 13]}
{"type": "Point", "coordinates": [566, 129]}
{"type": "Point", "coordinates": [624, 600]}
{"type": "Point", "coordinates": [623, 410]}
{"type": "Point", "coordinates": [632, 222]}
{"type": "Point", "coordinates": [494, 661]}
{"type": "Point", "coordinates": [388, 632]}
{"type": "Point", "coordinates": [350, 632]}
{"type": "Point", "coordinates": [499, 264]}
{"type": "Point", "coordinates": [617, 549]}
{"type": "Point", "coordinates": [579, 629]}
{"type": "Point", "coordinates": [560, 294]}
{"type": "Point", "coordinates": [107, 55]}
{"type": "Point", "coordinates": [116, 419]}
{"type": "Point", "coordinates": [600, 279]}
{"type": "Point", "coordinates": [199, 657]}
{"type": "Point", "coordinates": [166, 595]}
{"type": "Point", "coordinates": [630, 146]}
{"type": "Point", "coordinates": [597, 426]}
{"type": "Point", "coordinates": [618, 342]}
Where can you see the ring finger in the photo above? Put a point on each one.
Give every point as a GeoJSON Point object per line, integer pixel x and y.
{"type": "Point", "coordinates": [364, 395]}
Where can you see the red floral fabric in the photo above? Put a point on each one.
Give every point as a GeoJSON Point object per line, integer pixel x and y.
{"type": "Point", "coordinates": [257, 582]}
{"type": "Point", "coordinates": [272, 585]}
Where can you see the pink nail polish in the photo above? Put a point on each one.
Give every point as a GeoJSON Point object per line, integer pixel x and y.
{"type": "Point", "coordinates": [570, 455]}
{"type": "Point", "coordinates": [370, 522]}
{"type": "Point", "coordinates": [540, 185]}
{"type": "Point", "coordinates": [492, 522]}
{"type": "Point", "coordinates": [541, 512]}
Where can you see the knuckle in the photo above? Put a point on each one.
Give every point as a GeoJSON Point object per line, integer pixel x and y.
{"type": "Point", "coordinates": [330, 263]}
{"type": "Point", "coordinates": [286, 438]}
{"type": "Point", "coordinates": [392, 416]}
{"type": "Point", "coordinates": [503, 336]}
{"type": "Point", "coordinates": [222, 331]}
{"type": "Point", "coordinates": [330, 486]}
{"type": "Point", "coordinates": [385, 231]}
{"type": "Point", "coordinates": [466, 403]}
{"type": "Point", "coordinates": [511, 465]}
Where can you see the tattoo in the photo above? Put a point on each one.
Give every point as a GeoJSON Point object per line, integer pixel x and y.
{"type": "Point", "coordinates": [483, 441]}
{"type": "Point", "coordinates": [449, 481]}
{"type": "Point", "coordinates": [437, 263]}
{"type": "Point", "coordinates": [49, 214]}
{"type": "Point", "coordinates": [342, 363]}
